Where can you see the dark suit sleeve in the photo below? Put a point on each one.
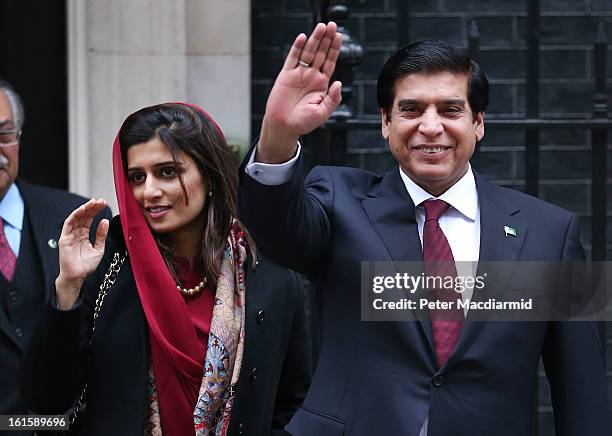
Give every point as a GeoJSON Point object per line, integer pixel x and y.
{"type": "Point", "coordinates": [53, 371]}
{"type": "Point", "coordinates": [574, 362]}
{"type": "Point", "coordinates": [290, 222]}
{"type": "Point", "coordinates": [300, 358]}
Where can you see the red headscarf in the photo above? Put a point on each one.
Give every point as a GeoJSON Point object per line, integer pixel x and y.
{"type": "Point", "coordinates": [177, 353]}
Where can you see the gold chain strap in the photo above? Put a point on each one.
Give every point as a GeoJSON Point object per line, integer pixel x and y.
{"type": "Point", "coordinates": [109, 280]}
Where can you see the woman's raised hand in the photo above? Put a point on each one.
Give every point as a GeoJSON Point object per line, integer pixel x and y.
{"type": "Point", "coordinates": [78, 256]}
{"type": "Point", "coordinates": [301, 99]}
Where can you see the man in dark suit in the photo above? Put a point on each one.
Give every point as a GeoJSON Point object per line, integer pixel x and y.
{"type": "Point", "coordinates": [437, 377]}
{"type": "Point", "coordinates": [31, 219]}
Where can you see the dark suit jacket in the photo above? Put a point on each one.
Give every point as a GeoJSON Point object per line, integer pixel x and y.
{"type": "Point", "coordinates": [36, 270]}
{"type": "Point", "coordinates": [383, 377]}
{"type": "Point", "coordinates": [276, 369]}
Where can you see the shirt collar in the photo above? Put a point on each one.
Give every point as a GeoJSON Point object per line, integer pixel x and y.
{"type": "Point", "coordinates": [463, 195]}
{"type": "Point", "coordinates": [12, 207]}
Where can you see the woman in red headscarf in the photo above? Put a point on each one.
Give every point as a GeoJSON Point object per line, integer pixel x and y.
{"type": "Point", "coordinates": [166, 323]}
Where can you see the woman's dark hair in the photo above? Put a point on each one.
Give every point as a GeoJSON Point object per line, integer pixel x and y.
{"type": "Point", "coordinates": [431, 57]}
{"type": "Point", "coordinates": [186, 129]}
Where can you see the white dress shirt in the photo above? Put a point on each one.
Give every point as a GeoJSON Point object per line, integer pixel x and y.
{"type": "Point", "coordinates": [271, 174]}
{"type": "Point", "coordinates": [460, 223]}
{"type": "Point", "coordinates": [11, 212]}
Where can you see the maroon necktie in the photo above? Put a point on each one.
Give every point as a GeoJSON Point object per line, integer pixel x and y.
{"type": "Point", "coordinates": [7, 257]}
{"type": "Point", "coordinates": [438, 257]}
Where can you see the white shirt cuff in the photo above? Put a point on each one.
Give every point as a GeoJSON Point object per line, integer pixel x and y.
{"type": "Point", "coordinates": [272, 174]}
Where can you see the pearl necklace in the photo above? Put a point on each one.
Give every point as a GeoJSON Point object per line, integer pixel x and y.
{"type": "Point", "coordinates": [192, 291]}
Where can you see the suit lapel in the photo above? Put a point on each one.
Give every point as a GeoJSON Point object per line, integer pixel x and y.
{"type": "Point", "coordinates": [495, 245]}
{"type": "Point", "coordinates": [391, 212]}
{"type": "Point", "coordinates": [46, 230]}
{"type": "Point", "coordinates": [495, 214]}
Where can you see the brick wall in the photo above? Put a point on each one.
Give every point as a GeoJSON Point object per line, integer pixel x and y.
{"type": "Point", "coordinates": [567, 33]}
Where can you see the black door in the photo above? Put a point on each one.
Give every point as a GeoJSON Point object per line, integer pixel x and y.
{"type": "Point", "coordinates": [33, 58]}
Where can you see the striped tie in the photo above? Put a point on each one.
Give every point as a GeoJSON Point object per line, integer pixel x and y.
{"type": "Point", "coordinates": [439, 262]}
{"type": "Point", "coordinates": [7, 257]}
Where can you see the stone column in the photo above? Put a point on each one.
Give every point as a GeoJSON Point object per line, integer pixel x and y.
{"type": "Point", "coordinates": [219, 64]}
{"type": "Point", "coordinates": [135, 56]}
{"type": "Point", "coordinates": [126, 54]}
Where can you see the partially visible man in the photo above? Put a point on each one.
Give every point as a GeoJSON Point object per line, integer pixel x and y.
{"type": "Point", "coordinates": [31, 219]}
{"type": "Point", "coordinates": [436, 377]}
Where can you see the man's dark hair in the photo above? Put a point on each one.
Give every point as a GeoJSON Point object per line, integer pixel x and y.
{"type": "Point", "coordinates": [431, 57]}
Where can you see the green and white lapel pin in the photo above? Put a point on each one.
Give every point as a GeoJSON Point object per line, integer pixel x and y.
{"type": "Point", "coordinates": [510, 231]}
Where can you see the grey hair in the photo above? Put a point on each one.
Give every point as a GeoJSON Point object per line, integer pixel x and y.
{"type": "Point", "coordinates": [15, 102]}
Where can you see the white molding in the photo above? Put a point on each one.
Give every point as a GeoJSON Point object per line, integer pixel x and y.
{"type": "Point", "coordinates": [78, 98]}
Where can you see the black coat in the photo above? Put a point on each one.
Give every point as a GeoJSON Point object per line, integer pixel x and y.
{"type": "Point", "coordinates": [274, 378]}
{"type": "Point", "coordinates": [22, 301]}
